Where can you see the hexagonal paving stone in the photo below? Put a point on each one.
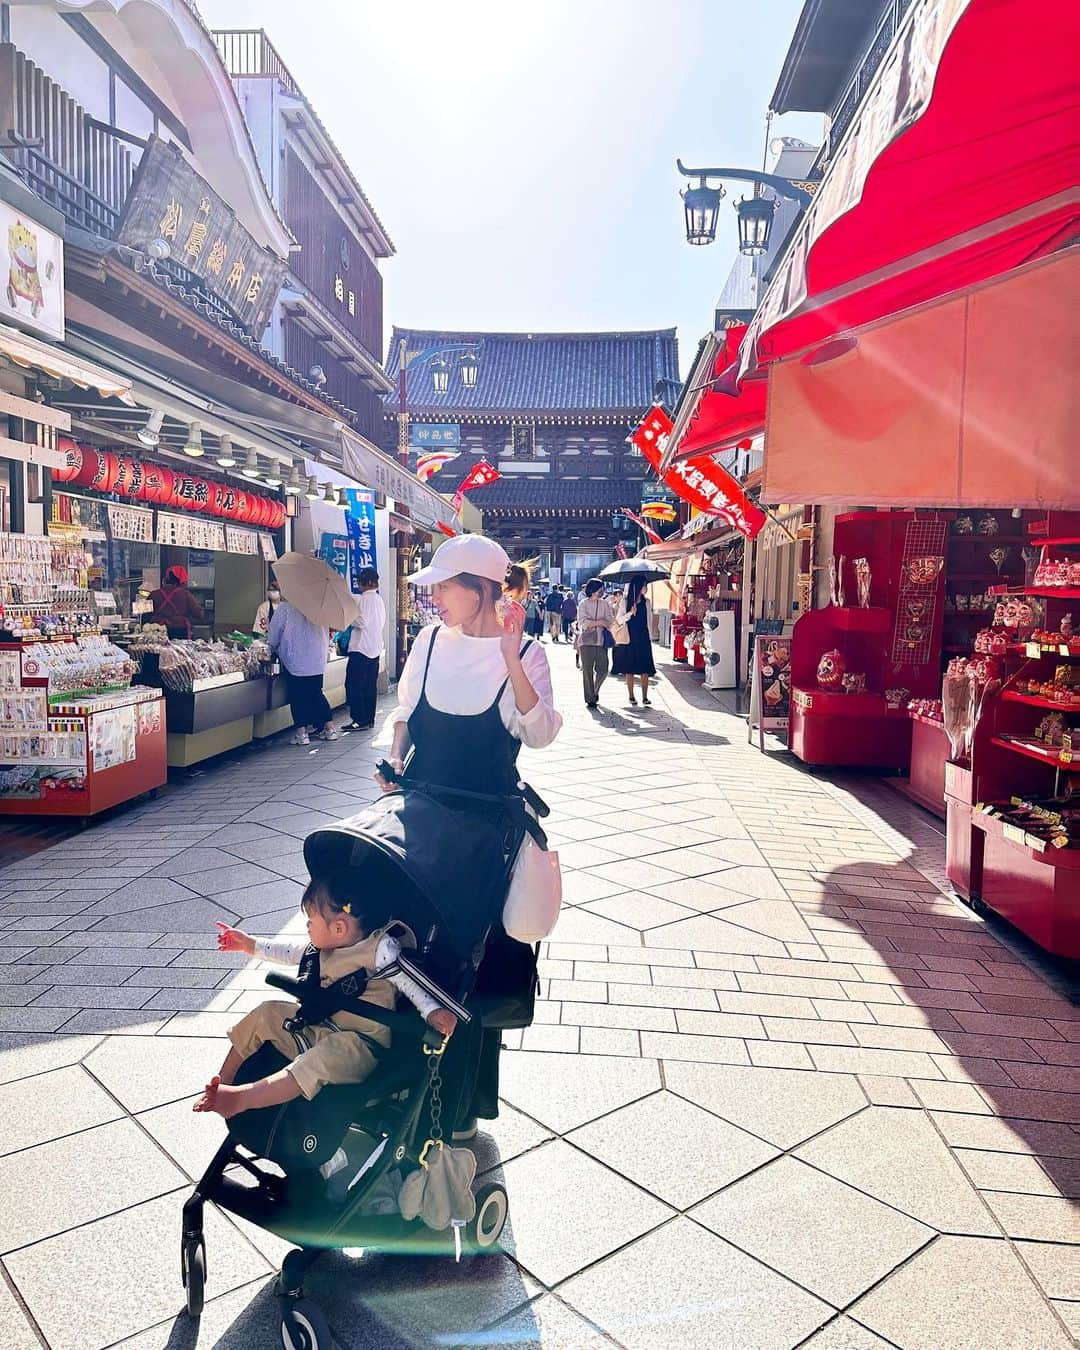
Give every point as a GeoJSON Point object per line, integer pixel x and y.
{"type": "Point", "coordinates": [784, 1106]}
{"type": "Point", "coordinates": [672, 1148]}
{"type": "Point", "coordinates": [566, 1211]}
{"type": "Point", "coordinates": [959, 1293]}
{"type": "Point", "coordinates": [561, 1091]}
{"type": "Point", "coordinates": [680, 1286]}
{"type": "Point", "coordinates": [830, 1238]}
{"type": "Point", "coordinates": [898, 1156]}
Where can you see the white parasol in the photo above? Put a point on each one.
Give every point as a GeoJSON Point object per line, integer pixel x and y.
{"type": "Point", "coordinates": [316, 590]}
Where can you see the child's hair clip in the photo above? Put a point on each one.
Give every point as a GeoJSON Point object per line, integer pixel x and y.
{"type": "Point", "coordinates": [347, 907]}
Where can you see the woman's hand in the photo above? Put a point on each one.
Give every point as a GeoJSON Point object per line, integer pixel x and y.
{"type": "Point", "coordinates": [510, 642]}
{"type": "Point", "coordinates": [234, 940]}
{"type": "Point", "coordinates": [398, 766]}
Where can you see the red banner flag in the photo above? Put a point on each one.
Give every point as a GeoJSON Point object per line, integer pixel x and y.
{"type": "Point", "coordinates": [650, 533]}
{"type": "Point", "coordinates": [701, 481]}
{"type": "Point", "coordinates": [480, 475]}
{"type": "Point", "coordinates": [621, 550]}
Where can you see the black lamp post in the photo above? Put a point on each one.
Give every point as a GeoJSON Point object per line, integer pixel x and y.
{"type": "Point", "coordinates": [702, 205]}
{"type": "Point", "coordinates": [755, 224]}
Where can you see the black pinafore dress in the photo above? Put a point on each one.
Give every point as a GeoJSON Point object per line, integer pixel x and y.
{"type": "Point", "coordinates": [474, 753]}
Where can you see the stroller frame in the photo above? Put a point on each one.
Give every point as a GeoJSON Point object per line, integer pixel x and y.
{"type": "Point", "coordinates": [381, 1112]}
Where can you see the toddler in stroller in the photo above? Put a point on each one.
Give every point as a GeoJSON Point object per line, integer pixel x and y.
{"type": "Point", "coordinates": [323, 1164]}
{"type": "Point", "coordinates": [340, 1047]}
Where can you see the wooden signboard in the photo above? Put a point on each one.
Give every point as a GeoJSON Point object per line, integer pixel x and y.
{"type": "Point", "coordinates": [169, 200]}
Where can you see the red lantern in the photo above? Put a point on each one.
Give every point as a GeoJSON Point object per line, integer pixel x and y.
{"type": "Point", "coordinates": [108, 466]}
{"type": "Point", "coordinates": [225, 501]}
{"type": "Point", "coordinates": [263, 506]}
{"type": "Point", "coordinates": [242, 510]}
{"type": "Point", "coordinates": [73, 461]}
{"type": "Point", "coordinates": [280, 515]}
{"type": "Point", "coordinates": [129, 476]}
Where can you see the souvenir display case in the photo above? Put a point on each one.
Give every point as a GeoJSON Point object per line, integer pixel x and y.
{"type": "Point", "coordinates": [856, 663]}
{"type": "Point", "coordinates": [1014, 814]}
{"type": "Point", "coordinates": [75, 738]}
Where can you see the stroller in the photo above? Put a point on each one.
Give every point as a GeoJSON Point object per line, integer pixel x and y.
{"type": "Point", "coordinates": [325, 1173]}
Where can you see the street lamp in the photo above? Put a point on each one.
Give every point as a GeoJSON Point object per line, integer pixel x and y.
{"type": "Point", "coordinates": [466, 361]}
{"type": "Point", "coordinates": [755, 224]}
{"type": "Point", "coordinates": [702, 205]}
{"type": "Point", "coordinates": [440, 374]}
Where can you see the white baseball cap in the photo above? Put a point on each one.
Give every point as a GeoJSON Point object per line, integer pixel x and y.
{"type": "Point", "coordinates": [465, 553]}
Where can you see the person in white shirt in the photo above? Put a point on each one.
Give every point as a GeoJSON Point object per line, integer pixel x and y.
{"type": "Point", "coordinates": [472, 693]}
{"type": "Point", "coordinates": [365, 652]}
{"type": "Point", "coordinates": [265, 612]}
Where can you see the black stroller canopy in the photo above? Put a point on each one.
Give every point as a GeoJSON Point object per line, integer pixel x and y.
{"type": "Point", "coordinates": [450, 864]}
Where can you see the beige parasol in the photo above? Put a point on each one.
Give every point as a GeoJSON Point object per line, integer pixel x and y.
{"type": "Point", "coordinates": [316, 590]}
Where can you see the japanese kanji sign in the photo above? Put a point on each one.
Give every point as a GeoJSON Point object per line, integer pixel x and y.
{"type": "Point", "coordinates": [360, 522]}
{"type": "Point", "coordinates": [425, 435]}
{"type": "Point", "coordinates": [701, 481]}
{"type": "Point", "coordinates": [169, 200]}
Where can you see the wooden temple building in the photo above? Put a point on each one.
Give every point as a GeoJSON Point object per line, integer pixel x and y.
{"type": "Point", "coordinates": [552, 412]}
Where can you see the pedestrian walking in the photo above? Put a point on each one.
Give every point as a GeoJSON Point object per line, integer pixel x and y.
{"type": "Point", "coordinates": [553, 609]}
{"type": "Point", "coordinates": [302, 647]}
{"type": "Point", "coordinates": [595, 620]}
{"type": "Point", "coordinates": [470, 695]}
{"type": "Point", "coordinates": [366, 645]}
{"type": "Point", "coordinates": [634, 659]}
{"type": "Point", "coordinates": [569, 614]}
{"type": "Point", "coordinates": [534, 618]}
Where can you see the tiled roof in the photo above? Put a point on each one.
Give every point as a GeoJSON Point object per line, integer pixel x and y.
{"type": "Point", "coordinates": [543, 372]}
{"type": "Point", "coordinates": [526, 493]}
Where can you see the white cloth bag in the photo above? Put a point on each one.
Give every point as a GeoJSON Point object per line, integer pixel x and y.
{"type": "Point", "coordinates": [535, 895]}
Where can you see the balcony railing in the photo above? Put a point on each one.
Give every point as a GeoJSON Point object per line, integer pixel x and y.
{"type": "Point", "coordinates": [248, 53]}
{"type": "Point", "coordinates": [852, 97]}
{"type": "Point", "coordinates": [72, 161]}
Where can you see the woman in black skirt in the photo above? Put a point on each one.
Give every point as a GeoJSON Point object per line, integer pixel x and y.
{"type": "Point", "coordinates": [634, 659]}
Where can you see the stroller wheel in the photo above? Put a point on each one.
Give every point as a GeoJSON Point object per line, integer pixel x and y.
{"type": "Point", "coordinates": [486, 1225]}
{"type": "Point", "coordinates": [303, 1327]}
{"type": "Point", "coordinates": [193, 1272]}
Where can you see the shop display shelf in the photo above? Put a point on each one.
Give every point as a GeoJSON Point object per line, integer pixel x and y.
{"type": "Point", "coordinates": [1035, 701]}
{"type": "Point", "coordinates": [988, 539]}
{"type": "Point", "coordinates": [1035, 651]}
{"type": "Point", "coordinates": [1038, 848]}
{"type": "Point", "coordinates": [1033, 750]}
{"type": "Point", "coordinates": [1044, 592]}
{"type": "Point", "coordinates": [1062, 541]}
{"type": "Point", "coordinates": [935, 722]}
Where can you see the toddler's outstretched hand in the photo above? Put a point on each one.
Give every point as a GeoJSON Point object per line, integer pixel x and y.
{"type": "Point", "coordinates": [444, 1022]}
{"type": "Point", "coordinates": [233, 940]}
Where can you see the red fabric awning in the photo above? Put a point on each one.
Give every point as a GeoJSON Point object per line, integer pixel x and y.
{"type": "Point", "coordinates": [961, 165]}
{"type": "Point", "coordinates": [967, 401]}
{"type": "Point", "coordinates": [722, 412]}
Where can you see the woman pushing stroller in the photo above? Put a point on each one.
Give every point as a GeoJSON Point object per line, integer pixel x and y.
{"type": "Point", "coordinates": [472, 692]}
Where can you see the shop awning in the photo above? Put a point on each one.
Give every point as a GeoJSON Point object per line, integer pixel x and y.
{"type": "Point", "coordinates": [968, 401]}
{"type": "Point", "coordinates": [960, 166]}
{"type": "Point", "coordinates": [717, 411]}
{"type": "Point", "coordinates": [31, 354]}
{"type": "Point", "coordinates": [703, 532]}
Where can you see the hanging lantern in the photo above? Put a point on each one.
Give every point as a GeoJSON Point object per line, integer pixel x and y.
{"type": "Point", "coordinates": [73, 461]}
{"type": "Point", "coordinates": [279, 517]}
{"type": "Point", "coordinates": [242, 510]}
{"type": "Point", "coordinates": [157, 484]}
{"type": "Point", "coordinates": [440, 374]}
{"type": "Point", "coordinates": [468, 365]}
{"type": "Point", "coordinates": [260, 510]}
{"type": "Point", "coordinates": [755, 223]}
{"type": "Point", "coordinates": [701, 205]}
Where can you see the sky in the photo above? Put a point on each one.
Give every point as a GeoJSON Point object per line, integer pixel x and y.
{"type": "Point", "coordinates": [521, 153]}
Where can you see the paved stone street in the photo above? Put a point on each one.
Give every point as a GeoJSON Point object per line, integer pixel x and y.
{"type": "Point", "coordinates": [781, 1091]}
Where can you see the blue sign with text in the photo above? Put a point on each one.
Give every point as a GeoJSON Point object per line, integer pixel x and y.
{"type": "Point", "coordinates": [334, 550]}
{"type": "Point", "coordinates": [360, 518]}
{"type": "Point", "coordinates": [435, 436]}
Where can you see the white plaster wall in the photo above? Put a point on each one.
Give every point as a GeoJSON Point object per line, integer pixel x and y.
{"type": "Point", "coordinates": [51, 44]}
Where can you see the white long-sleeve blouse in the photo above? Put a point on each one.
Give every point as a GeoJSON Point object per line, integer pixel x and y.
{"type": "Point", "coordinates": [464, 678]}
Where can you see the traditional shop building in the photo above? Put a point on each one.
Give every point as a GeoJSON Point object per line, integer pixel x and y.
{"type": "Point", "coordinates": [552, 412]}
{"type": "Point", "coordinates": [944, 530]}
{"type": "Point", "coordinates": [153, 416]}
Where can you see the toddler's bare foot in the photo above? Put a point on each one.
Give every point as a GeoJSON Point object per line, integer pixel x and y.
{"type": "Point", "coordinates": [220, 1098]}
